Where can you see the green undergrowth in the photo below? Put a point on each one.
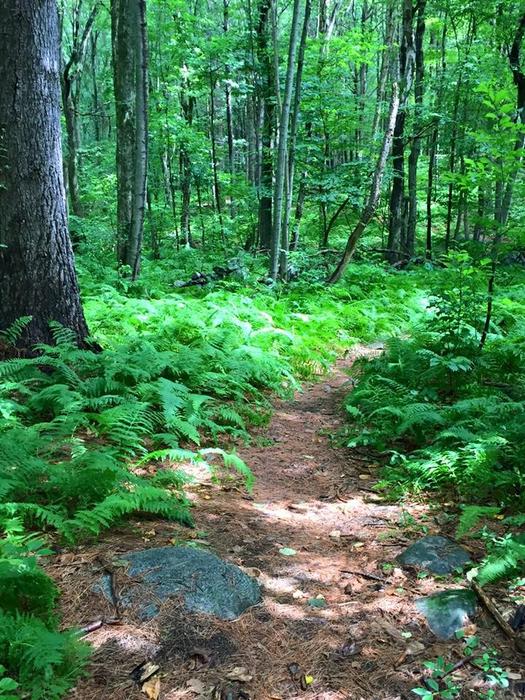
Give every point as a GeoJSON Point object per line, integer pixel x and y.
{"type": "Point", "coordinates": [182, 372]}
{"type": "Point", "coordinates": [449, 413]}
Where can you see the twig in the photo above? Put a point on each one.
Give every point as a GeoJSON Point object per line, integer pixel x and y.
{"type": "Point", "coordinates": [458, 665]}
{"type": "Point", "coordinates": [110, 574]}
{"type": "Point", "coordinates": [493, 610]}
{"type": "Point", "coordinates": [372, 577]}
{"type": "Point", "coordinates": [93, 626]}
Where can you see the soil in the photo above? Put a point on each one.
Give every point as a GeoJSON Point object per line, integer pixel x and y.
{"type": "Point", "coordinates": [337, 620]}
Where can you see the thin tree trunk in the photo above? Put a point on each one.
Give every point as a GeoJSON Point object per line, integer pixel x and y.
{"type": "Point", "coordinates": [384, 69]}
{"type": "Point", "coordinates": [214, 165]}
{"type": "Point", "coordinates": [71, 75]}
{"type": "Point", "coordinates": [229, 115]}
{"type": "Point", "coordinates": [280, 171]}
{"type": "Point", "coordinates": [37, 273]}
{"type": "Point", "coordinates": [267, 100]}
{"type": "Point", "coordinates": [519, 81]}
{"type": "Point", "coordinates": [397, 208]}
{"type": "Point", "coordinates": [418, 125]}
{"type": "Point", "coordinates": [375, 190]}
{"type": "Point", "coordinates": [293, 128]}
{"type": "Point", "coordinates": [141, 141]}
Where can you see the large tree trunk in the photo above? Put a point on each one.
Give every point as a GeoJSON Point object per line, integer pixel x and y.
{"type": "Point", "coordinates": [128, 27]}
{"type": "Point", "coordinates": [37, 274]}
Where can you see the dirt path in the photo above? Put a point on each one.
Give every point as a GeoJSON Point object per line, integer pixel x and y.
{"type": "Point", "coordinates": [347, 632]}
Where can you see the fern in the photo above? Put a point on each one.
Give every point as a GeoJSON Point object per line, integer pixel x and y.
{"type": "Point", "coordinates": [507, 559]}
{"type": "Point", "coordinates": [11, 335]}
{"type": "Point", "coordinates": [471, 515]}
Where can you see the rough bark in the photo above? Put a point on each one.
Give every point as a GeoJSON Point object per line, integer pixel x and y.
{"type": "Point", "coordinates": [37, 274]}
{"type": "Point", "coordinates": [128, 28]}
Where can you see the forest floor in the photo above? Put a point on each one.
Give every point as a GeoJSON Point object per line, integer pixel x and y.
{"type": "Point", "coordinates": [337, 619]}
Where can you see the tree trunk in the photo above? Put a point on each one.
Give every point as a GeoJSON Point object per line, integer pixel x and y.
{"type": "Point", "coordinates": [71, 75]}
{"type": "Point", "coordinates": [229, 114]}
{"type": "Point", "coordinates": [129, 42]}
{"type": "Point", "coordinates": [214, 165]}
{"type": "Point", "coordinates": [384, 68]}
{"type": "Point", "coordinates": [415, 150]}
{"type": "Point", "coordinates": [267, 96]}
{"type": "Point", "coordinates": [280, 171]}
{"type": "Point", "coordinates": [519, 81]}
{"type": "Point", "coordinates": [375, 191]}
{"type": "Point", "coordinates": [37, 274]}
{"type": "Point", "coordinates": [293, 130]}
{"type": "Point", "coordinates": [397, 206]}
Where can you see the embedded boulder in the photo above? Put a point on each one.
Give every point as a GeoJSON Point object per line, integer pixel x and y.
{"type": "Point", "coordinates": [436, 554]}
{"type": "Point", "coordinates": [204, 582]}
{"type": "Point", "coordinates": [448, 611]}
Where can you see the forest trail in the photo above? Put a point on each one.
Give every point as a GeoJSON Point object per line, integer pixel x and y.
{"type": "Point", "coordinates": [312, 501]}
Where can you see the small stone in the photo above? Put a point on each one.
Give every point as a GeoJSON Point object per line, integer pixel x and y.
{"type": "Point", "coordinates": [335, 534]}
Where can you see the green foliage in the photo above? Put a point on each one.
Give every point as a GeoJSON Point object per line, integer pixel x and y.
{"type": "Point", "coordinates": [35, 658]}
{"type": "Point", "coordinates": [506, 558]}
{"type": "Point", "coordinates": [451, 415]}
{"type": "Point", "coordinates": [73, 423]}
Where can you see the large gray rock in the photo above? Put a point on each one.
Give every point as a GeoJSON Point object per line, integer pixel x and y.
{"type": "Point", "coordinates": [206, 583]}
{"type": "Point", "coordinates": [448, 611]}
{"type": "Point", "coordinates": [436, 554]}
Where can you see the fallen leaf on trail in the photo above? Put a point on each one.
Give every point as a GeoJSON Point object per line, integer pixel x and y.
{"type": "Point", "coordinates": [335, 534]}
{"type": "Point", "coordinates": [306, 681]}
{"type": "Point", "coordinates": [365, 477]}
{"type": "Point", "coordinates": [151, 688]}
{"type": "Point", "coordinates": [143, 672]}
{"type": "Point", "coordinates": [358, 545]}
{"type": "Point", "coordinates": [195, 686]}
{"type": "Point", "coordinates": [319, 602]}
{"type": "Point", "coordinates": [287, 552]}
{"type": "Point", "coordinates": [298, 594]}
{"type": "Point", "coordinates": [415, 648]}
{"type": "Point", "coordinates": [199, 657]}
{"type": "Point", "coordinates": [239, 673]}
